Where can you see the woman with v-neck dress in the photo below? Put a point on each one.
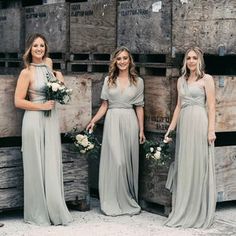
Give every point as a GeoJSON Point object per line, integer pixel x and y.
{"type": "Point", "coordinates": [122, 102]}
{"type": "Point", "coordinates": [192, 176]}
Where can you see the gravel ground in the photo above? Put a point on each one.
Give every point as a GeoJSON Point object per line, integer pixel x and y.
{"type": "Point", "coordinates": [93, 223]}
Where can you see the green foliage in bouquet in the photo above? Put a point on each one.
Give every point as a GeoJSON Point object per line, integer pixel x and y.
{"type": "Point", "coordinates": [85, 142]}
{"type": "Point", "coordinates": [161, 152]}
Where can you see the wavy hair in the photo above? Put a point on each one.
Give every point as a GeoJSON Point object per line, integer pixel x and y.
{"type": "Point", "coordinates": [27, 57]}
{"type": "Point", "coordinates": [200, 71]}
{"type": "Point", "coordinates": [114, 71]}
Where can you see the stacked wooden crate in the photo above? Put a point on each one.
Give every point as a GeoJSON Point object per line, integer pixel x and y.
{"type": "Point", "coordinates": [51, 20]}
{"type": "Point", "coordinates": [75, 166]}
{"type": "Point", "coordinates": [92, 35]}
{"type": "Point", "coordinates": [11, 43]}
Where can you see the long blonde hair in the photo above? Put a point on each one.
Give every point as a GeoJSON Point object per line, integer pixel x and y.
{"type": "Point", "coordinates": [200, 64]}
{"type": "Point", "coordinates": [114, 71]}
{"type": "Point", "coordinates": [27, 57]}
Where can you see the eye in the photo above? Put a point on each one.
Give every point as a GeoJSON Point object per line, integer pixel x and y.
{"type": "Point", "coordinates": [126, 58]}
{"type": "Point", "coordinates": [195, 58]}
{"type": "Point", "coordinates": [188, 58]}
{"type": "Point", "coordinates": [118, 58]}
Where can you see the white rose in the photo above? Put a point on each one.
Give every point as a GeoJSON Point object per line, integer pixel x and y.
{"type": "Point", "coordinates": [66, 99]}
{"type": "Point", "coordinates": [159, 149]}
{"type": "Point", "coordinates": [84, 142]}
{"type": "Point", "coordinates": [90, 146]}
{"type": "Point", "coordinates": [49, 84]}
{"type": "Point", "coordinates": [62, 87]}
{"type": "Point", "coordinates": [151, 149]}
{"type": "Point", "coordinates": [82, 151]}
{"type": "Point", "coordinates": [79, 137]}
{"type": "Point", "coordinates": [157, 155]}
{"type": "Point", "coordinates": [55, 87]}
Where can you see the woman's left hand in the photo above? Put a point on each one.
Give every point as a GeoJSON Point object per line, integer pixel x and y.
{"type": "Point", "coordinates": [211, 137]}
{"type": "Point", "coordinates": [142, 138]}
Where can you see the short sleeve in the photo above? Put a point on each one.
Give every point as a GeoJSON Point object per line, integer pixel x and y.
{"type": "Point", "coordinates": [104, 94]}
{"type": "Point", "coordinates": [139, 98]}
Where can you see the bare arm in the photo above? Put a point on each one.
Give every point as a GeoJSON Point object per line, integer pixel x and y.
{"type": "Point", "coordinates": [210, 94]}
{"type": "Point", "coordinates": [175, 117]}
{"type": "Point", "coordinates": [100, 113]}
{"type": "Point", "coordinates": [140, 115]}
{"type": "Point", "coordinates": [21, 93]}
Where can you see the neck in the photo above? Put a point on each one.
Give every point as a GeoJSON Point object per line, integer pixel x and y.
{"type": "Point", "coordinates": [37, 61]}
{"type": "Point", "coordinates": [123, 74]}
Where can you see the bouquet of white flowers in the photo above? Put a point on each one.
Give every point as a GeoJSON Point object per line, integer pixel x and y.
{"type": "Point", "coordinates": [84, 141]}
{"type": "Point", "coordinates": [161, 152]}
{"type": "Point", "coordinates": [56, 90]}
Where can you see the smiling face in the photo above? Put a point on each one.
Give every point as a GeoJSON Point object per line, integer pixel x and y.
{"type": "Point", "coordinates": [38, 50]}
{"type": "Point", "coordinates": [192, 61]}
{"type": "Point", "coordinates": [123, 61]}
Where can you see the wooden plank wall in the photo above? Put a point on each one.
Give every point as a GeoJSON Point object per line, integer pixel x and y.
{"type": "Point", "coordinates": [145, 26]}
{"type": "Point", "coordinates": [11, 30]}
{"type": "Point", "coordinates": [52, 21]}
{"type": "Point", "coordinates": [75, 173]}
{"type": "Point", "coordinates": [93, 26]}
{"type": "Point", "coordinates": [77, 112]}
{"type": "Point", "coordinates": [207, 24]}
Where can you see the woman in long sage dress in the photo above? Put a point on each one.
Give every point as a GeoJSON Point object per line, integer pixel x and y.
{"type": "Point", "coordinates": [44, 202]}
{"type": "Point", "coordinates": [192, 177]}
{"type": "Point", "coordinates": [122, 96]}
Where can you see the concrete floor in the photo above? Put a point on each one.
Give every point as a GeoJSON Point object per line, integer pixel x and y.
{"type": "Point", "coordinates": [93, 223]}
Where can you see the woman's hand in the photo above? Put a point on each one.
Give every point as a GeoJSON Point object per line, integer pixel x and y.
{"type": "Point", "coordinates": [142, 138]}
{"type": "Point", "coordinates": [48, 105]}
{"type": "Point", "coordinates": [166, 138]}
{"type": "Point", "coordinates": [90, 126]}
{"type": "Point", "coordinates": [211, 137]}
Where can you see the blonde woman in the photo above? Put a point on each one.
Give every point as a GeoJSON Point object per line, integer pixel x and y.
{"type": "Point", "coordinates": [44, 202]}
{"type": "Point", "coordinates": [122, 102]}
{"type": "Point", "coordinates": [192, 179]}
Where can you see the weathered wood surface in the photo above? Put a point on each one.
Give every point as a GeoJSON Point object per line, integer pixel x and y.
{"type": "Point", "coordinates": [145, 26]}
{"type": "Point", "coordinates": [52, 20]}
{"type": "Point", "coordinates": [225, 103]}
{"type": "Point", "coordinates": [225, 158]}
{"type": "Point", "coordinates": [157, 103]}
{"type": "Point", "coordinates": [75, 176]}
{"type": "Point", "coordinates": [11, 30]}
{"type": "Point", "coordinates": [93, 26]}
{"type": "Point", "coordinates": [153, 179]}
{"type": "Point", "coordinates": [77, 112]}
{"type": "Point", "coordinates": [207, 24]}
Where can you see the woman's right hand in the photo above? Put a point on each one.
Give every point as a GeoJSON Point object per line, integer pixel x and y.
{"type": "Point", "coordinates": [166, 138]}
{"type": "Point", "coordinates": [48, 105]}
{"type": "Point", "coordinates": [90, 126]}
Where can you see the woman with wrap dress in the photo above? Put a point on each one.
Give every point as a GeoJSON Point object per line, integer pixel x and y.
{"type": "Point", "coordinates": [192, 176]}
{"type": "Point", "coordinates": [122, 102]}
{"type": "Point", "coordinates": [44, 202]}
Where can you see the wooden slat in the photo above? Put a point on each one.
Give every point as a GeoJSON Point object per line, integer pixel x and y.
{"type": "Point", "coordinates": [11, 40]}
{"type": "Point", "coordinates": [93, 26]}
{"type": "Point", "coordinates": [157, 103]}
{"type": "Point", "coordinates": [207, 24]}
{"type": "Point", "coordinates": [225, 158]}
{"type": "Point", "coordinates": [75, 176]}
{"type": "Point", "coordinates": [145, 26]}
{"type": "Point", "coordinates": [77, 112]}
{"type": "Point", "coordinates": [225, 103]}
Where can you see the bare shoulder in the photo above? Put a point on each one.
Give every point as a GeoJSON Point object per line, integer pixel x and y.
{"type": "Point", "coordinates": [25, 74]}
{"type": "Point", "coordinates": [208, 79]}
{"type": "Point", "coordinates": [48, 62]}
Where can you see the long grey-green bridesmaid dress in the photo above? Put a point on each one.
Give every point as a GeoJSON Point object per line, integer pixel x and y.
{"type": "Point", "coordinates": [44, 201]}
{"type": "Point", "coordinates": [192, 177]}
{"type": "Point", "coordinates": [118, 173]}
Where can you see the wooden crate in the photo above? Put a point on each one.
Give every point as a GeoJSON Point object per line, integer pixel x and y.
{"type": "Point", "coordinates": [75, 173]}
{"type": "Point", "coordinates": [225, 103]}
{"type": "Point", "coordinates": [93, 26]}
{"type": "Point", "coordinates": [152, 180]}
{"type": "Point", "coordinates": [207, 24]}
{"type": "Point", "coordinates": [145, 26]}
{"type": "Point", "coordinates": [51, 20]}
{"type": "Point", "coordinates": [11, 30]}
{"type": "Point", "coordinates": [225, 158]}
{"type": "Point", "coordinates": [77, 112]}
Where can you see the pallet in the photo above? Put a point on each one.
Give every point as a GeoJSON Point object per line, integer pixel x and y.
{"type": "Point", "coordinates": [75, 175]}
